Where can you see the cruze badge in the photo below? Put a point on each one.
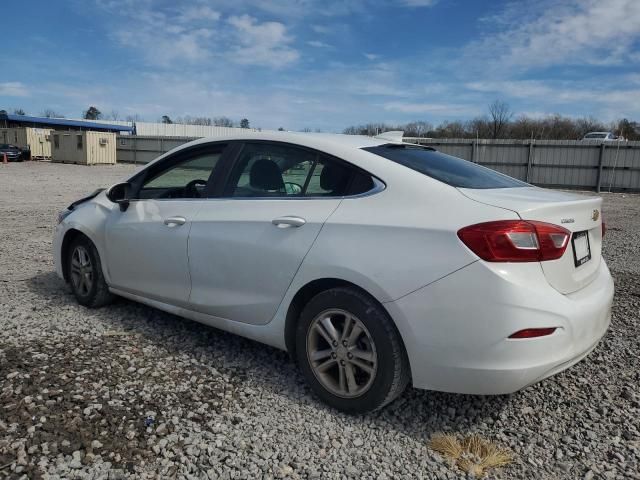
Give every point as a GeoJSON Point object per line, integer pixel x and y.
{"type": "Point", "coordinates": [595, 215]}
{"type": "Point", "coordinates": [567, 220]}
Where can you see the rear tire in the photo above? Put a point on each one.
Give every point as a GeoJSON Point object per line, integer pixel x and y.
{"type": "Point", "coordinates": [85, 274]}
{"type": "Point", "coordinates": [350, 352]}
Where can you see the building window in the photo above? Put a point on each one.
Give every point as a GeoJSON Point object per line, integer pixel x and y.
{"type": "Point", "coordinates": [56, 141]}
{"type": "Point", "coordinates": [79, 141]}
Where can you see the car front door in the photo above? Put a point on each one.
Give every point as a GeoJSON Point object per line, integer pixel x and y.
{"type": "Point", "coordinates": [246, 246]}
{"type": "Point", "coordinates": [147, 244]}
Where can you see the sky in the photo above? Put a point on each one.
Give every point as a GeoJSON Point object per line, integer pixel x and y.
{"type": "Point", "coordinates": [322, 64]}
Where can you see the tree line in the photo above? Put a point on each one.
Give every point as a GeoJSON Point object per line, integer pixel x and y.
{"type": "Point", "coordinates": [207, 121]}
{"type": "Point", "coordinates": [501, 123]}
{"type": "Point", "coordinates": [498, 123]}
{"type": "Point", "coordinates": [93, 113]}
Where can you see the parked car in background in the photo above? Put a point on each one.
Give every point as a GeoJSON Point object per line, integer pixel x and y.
{"type": "Point", "coordinates": [374, 262]}
{"type": "Point", "coordinates": [602, 137]}
{"type": "Point", "coordinates": [14, 154]}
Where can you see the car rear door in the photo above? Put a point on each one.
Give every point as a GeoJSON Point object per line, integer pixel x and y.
{"type": "Point", "coordinates": [246, 246]}
{"type": "Point", "coordinates": [147, 244]}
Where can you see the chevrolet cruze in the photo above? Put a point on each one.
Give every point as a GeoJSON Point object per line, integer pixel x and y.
{"type": "Point", "coordinates": [373, 262]}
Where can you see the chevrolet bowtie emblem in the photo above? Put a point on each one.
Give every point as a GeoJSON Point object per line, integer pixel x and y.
{"type": "Point", "coordinates": [595, 215]}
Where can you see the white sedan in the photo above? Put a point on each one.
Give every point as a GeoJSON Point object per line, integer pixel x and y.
{"type": "Point", "coordinates": [373, 262]}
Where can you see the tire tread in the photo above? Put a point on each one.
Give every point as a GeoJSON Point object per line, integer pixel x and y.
{"type": "Point", "coordinates": [102, 296]}
{"type": "Point", "coordinates": [401, 369]}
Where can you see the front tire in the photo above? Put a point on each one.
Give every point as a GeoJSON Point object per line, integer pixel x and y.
{"type": "Point", "coordinates": [350, 352]}
{"type": "Point", "coordinates": [85, 274]}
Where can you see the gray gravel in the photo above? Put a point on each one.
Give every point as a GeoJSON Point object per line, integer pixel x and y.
{"type": "Point", "coordinates": [131, 392]}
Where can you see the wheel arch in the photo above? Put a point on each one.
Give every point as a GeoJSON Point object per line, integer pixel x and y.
{"type": "Point", "coordinates": [69, 237]}
{"type": "Point", "coordinates": [306, 293]}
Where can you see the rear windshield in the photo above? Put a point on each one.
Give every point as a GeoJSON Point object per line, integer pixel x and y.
{"type": "Point", "coordinates": [453, 171]}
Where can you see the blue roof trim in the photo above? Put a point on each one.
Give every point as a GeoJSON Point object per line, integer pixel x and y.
{"type": "Point", "coordinates": [66, 123]}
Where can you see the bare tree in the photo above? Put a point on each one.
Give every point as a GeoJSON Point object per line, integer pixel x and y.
{"type": "Point", "coordinates": [92, 113]}
{"type": "Point", "coordinates": [500, 115]}
{"type": "Point", "coordinates": [416, 129]}
{"type": "Point", "coordinates": [222, 122]}
{"type": "Point", "coordinates": [114, 115]}
{"type": "Point", "coordinates": [189, 120]}
{"type": "Point", "coordinates": [19, 111]}
{"type": "Point", "coordinates": [628, 130]}
{"type": "Point", "coordinates": [550, 127]}
{"type": "Point", "coordinates": [50, 113]}
{"type": "Point", "coordinates": [586, 125]}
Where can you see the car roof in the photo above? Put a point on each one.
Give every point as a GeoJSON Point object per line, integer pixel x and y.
{"type": "Point", "coordinates": [308, 139]}
{"type": "Point", "coordinates": [348, 147]}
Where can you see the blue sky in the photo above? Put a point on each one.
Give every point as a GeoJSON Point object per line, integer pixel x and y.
{"type": "Point", "coordinates": [322, 64]}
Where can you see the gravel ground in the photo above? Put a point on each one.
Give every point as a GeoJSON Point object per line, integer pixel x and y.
{"type": "Point", "coordinates": [131, 392]}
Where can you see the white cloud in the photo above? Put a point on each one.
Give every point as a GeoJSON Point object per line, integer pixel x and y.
{"type": "Point", "coordinates": [321, 29]}
{"type": "Point", "coordinates": [574, 98]}
{"type": "Point", "coordinates": [318, 44]}
{"type": "Point", "coordinates": [573, 32]}
{"type": "Point", "coordinates": [13, 89]}
{"type": "Point", "coordinates": [371, 56]}
{"type": "Point", "coordinates": [433, 108]}
{"type": "Point", "coordinates": [264, 43]}
{"type": "Point", "coordinates": [199, 13]}
{"type": "Point", "coordinates": [418, 3]}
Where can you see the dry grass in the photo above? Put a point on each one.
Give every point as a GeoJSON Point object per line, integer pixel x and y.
{"type": "Point", "coordinates": [473, 454]}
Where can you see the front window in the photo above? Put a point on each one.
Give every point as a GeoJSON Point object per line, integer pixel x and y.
{"type": "Point", "coordinates": [453, 171]}
{"type": "Point", "coordinates": [185, 179]}
{"type": "Point", "coordinates": [596, 135]}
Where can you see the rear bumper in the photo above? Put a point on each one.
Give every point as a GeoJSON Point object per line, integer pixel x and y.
{"type": "Point", "coordinates": [456, 330]}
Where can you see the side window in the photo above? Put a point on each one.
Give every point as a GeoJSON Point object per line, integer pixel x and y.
{"type": "Point", "coordinates": [270, 170]}
{"type": "Point", "coordinates": [186, 179]}
{"type": "Point", "coordinates": [331, 178]}
{"type": "Point", "coordinates": [273, 170]}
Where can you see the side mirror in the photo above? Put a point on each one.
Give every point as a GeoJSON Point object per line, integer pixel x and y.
{"type": "Point", "coordinates": [120, 194]}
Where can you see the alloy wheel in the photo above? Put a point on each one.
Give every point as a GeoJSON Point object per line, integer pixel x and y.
{"type": "Point", "coordinates": [81, 271]}
{"type": "Point", "coordinates": [341, 353]}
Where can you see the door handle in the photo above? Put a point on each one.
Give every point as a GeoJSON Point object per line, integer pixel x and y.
{"type": "Point", "coordinates": [175, 221]}
{"type": "Point", "coordinates": [288, 221]}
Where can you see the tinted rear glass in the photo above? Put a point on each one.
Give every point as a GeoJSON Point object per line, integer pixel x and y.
{"type": "Point", "coordinates": [453, 171]}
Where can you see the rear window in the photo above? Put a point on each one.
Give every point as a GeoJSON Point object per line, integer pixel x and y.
{"type": "Point", "coordinates": [453, 171]}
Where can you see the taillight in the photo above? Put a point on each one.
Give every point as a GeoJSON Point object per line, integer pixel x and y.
{"type": "Point", "coordinates": [516, 240]}
{"type": "Point", "coordinates": [533, 332]}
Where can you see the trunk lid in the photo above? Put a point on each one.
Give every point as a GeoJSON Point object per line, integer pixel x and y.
{"type": "Point", "coordinates": [576, 213]}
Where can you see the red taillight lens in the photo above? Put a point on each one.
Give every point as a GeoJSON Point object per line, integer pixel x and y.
{"type": "Point", "coordinates": [533, 333]}
{"type": "Point", "coordinates": [515, 240]}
